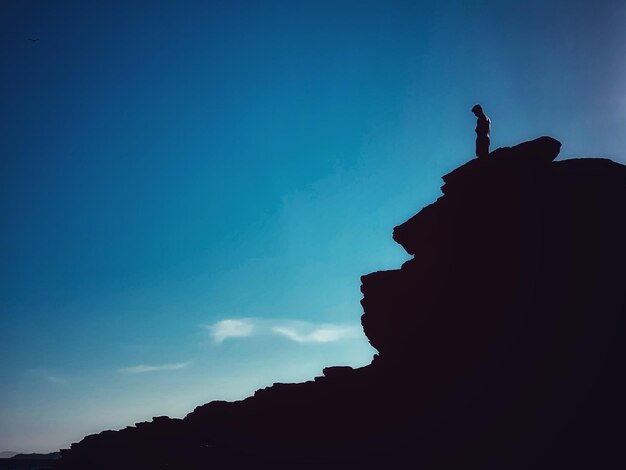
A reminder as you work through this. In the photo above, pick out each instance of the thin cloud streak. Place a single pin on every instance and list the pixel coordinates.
(297, 331)
(55, 379)
(142, 368)
(325, 334)
(45, 375)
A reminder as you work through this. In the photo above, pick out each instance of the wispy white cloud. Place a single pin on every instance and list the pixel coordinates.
(55, 379)
(141, 368)
(297, 331)
(231, 329)
(322, 334)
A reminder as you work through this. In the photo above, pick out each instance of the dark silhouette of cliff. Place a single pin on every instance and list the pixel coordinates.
(501, 343)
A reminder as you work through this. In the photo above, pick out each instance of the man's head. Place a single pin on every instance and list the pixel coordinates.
(477, 110)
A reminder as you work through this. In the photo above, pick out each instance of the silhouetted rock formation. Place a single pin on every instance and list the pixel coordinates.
(501, 343)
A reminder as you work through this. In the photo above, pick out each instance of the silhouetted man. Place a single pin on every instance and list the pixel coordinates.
(483, 128)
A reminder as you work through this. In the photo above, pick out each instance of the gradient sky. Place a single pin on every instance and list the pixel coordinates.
(189, 191)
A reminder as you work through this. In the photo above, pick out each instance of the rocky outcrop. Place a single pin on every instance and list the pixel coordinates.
(501, 343)
(509, 234)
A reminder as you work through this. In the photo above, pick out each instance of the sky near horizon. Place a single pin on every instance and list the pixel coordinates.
(190, 191)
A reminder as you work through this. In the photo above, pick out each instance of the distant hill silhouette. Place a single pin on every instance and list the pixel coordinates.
(37, 456)
(35, 461)
(501, 343)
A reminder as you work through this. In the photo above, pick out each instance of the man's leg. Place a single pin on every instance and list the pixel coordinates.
(482, 148)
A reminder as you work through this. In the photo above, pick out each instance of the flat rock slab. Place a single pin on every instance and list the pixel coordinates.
(534, 152)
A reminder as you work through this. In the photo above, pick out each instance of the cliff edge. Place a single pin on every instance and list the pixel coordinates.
(501, 343)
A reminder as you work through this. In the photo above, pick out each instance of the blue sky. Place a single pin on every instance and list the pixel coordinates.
(189, 191)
